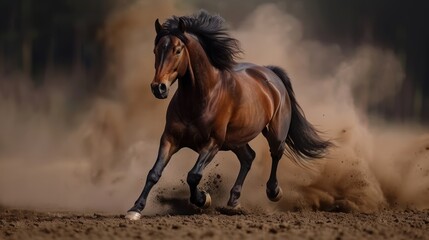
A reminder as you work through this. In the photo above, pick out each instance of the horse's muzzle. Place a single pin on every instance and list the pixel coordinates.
(159, 90)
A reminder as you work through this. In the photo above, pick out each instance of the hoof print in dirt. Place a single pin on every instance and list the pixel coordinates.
(230, 211)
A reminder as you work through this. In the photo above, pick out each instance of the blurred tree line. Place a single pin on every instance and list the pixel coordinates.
(52, 35)
(399, 25)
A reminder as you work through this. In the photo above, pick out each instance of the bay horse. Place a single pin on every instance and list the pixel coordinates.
(221, 105)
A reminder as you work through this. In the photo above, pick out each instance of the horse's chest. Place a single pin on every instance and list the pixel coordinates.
(195, 134)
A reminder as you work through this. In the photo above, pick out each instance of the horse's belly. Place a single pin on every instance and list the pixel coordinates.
(242, 133)
(239, 138)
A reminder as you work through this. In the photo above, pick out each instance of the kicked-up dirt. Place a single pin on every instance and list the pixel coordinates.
(216, 224)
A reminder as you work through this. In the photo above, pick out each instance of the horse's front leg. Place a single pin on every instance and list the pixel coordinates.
(200, 198)
(167, 148)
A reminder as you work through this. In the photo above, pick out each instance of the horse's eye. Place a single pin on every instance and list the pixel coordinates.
(178, 51)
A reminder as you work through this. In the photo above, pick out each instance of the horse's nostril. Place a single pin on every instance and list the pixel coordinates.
(162, 87)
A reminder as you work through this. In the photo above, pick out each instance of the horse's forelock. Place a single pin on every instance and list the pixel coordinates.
(220, 48)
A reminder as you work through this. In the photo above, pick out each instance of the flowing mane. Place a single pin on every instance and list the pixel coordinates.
(221, 49)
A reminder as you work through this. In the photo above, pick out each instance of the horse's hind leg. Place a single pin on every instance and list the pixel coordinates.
(246, 155)
(277, 147)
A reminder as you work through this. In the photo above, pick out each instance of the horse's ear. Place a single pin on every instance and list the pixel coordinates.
(181, 25)
(158, 26)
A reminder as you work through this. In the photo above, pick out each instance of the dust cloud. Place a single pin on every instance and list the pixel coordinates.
(100, 162)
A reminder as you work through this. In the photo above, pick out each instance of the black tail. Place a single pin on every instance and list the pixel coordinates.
(303, 138)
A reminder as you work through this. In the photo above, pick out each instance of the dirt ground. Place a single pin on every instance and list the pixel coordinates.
(216, 224)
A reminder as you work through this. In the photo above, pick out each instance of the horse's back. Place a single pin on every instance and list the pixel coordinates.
(248, 73)
(259, 73)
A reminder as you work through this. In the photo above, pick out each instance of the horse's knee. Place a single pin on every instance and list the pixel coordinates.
(193, 178)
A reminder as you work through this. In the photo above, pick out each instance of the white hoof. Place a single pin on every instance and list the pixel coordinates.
(133, 216)
(208, 202)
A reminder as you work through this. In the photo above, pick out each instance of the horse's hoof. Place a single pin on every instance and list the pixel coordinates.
(131, 215)
(236, 207)
(208, 201)
(278, 196)
(232, 210)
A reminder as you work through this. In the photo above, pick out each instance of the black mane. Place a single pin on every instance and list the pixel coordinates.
(221, 49)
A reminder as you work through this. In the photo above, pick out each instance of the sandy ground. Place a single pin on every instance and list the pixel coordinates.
(216, 224)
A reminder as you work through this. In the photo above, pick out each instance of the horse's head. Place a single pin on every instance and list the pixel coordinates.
(171, 61)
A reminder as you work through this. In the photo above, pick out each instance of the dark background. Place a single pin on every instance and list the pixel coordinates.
(62, 35)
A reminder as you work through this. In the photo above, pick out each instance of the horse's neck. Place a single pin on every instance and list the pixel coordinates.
(201, 77)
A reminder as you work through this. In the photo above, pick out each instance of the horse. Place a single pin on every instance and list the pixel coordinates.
(221, 105)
